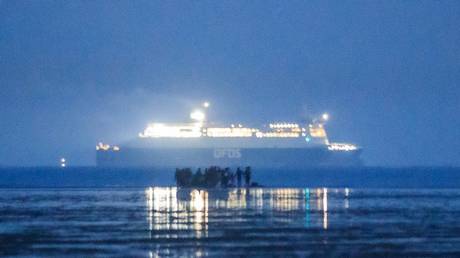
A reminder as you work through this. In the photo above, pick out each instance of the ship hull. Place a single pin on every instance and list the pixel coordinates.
(228, 157)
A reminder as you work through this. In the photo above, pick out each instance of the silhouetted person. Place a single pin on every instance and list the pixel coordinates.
(198, 179)
(231, 179)
(247, 176)
(183, 177)
(239, 173)
(177, 176)
(213, 176)
(224, 179)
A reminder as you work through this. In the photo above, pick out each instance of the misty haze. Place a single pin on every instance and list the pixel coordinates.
(229, 128)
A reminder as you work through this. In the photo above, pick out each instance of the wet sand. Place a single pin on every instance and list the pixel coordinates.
(283, 222)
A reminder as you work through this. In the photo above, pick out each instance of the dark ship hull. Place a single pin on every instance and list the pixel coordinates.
(228, 157)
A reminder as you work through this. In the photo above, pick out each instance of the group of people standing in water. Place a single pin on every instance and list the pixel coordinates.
(214, 177)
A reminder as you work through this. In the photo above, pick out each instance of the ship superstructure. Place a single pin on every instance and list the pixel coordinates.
(199, 144)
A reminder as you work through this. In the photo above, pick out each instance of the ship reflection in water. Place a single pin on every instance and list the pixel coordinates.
(245, 213)
(189, 209)
(157, 222)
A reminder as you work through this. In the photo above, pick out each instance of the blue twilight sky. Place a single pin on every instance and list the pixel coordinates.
(76, 72)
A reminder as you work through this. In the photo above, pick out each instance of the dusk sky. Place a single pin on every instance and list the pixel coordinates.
(73, 73)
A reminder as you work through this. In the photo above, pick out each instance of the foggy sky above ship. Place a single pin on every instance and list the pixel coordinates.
(73, 73)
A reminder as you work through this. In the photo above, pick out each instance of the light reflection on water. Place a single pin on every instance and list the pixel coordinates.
(172, 209)
(155, 222)
(188, 209)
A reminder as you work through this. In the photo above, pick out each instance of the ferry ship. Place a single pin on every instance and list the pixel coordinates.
(199, 143)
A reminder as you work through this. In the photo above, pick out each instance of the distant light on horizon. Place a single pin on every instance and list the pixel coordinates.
(206, 104)
(63, 163)
(325, 116)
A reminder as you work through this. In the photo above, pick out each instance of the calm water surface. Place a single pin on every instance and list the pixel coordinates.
(153, 222)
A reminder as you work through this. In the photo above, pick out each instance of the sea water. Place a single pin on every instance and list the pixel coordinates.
(339, 177)
(281, 222)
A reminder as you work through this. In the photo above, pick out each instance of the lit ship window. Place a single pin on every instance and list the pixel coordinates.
(102, 146)
(230, 132)
(284, 125)
(279, 134)
(317, 132)
(341, 147)
(174, 131)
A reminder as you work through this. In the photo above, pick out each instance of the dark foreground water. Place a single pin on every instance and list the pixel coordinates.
(283, 222)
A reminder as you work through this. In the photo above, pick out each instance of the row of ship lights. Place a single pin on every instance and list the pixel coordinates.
(102, 146)
(199, 116)
(249, 131)
(276, 126)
